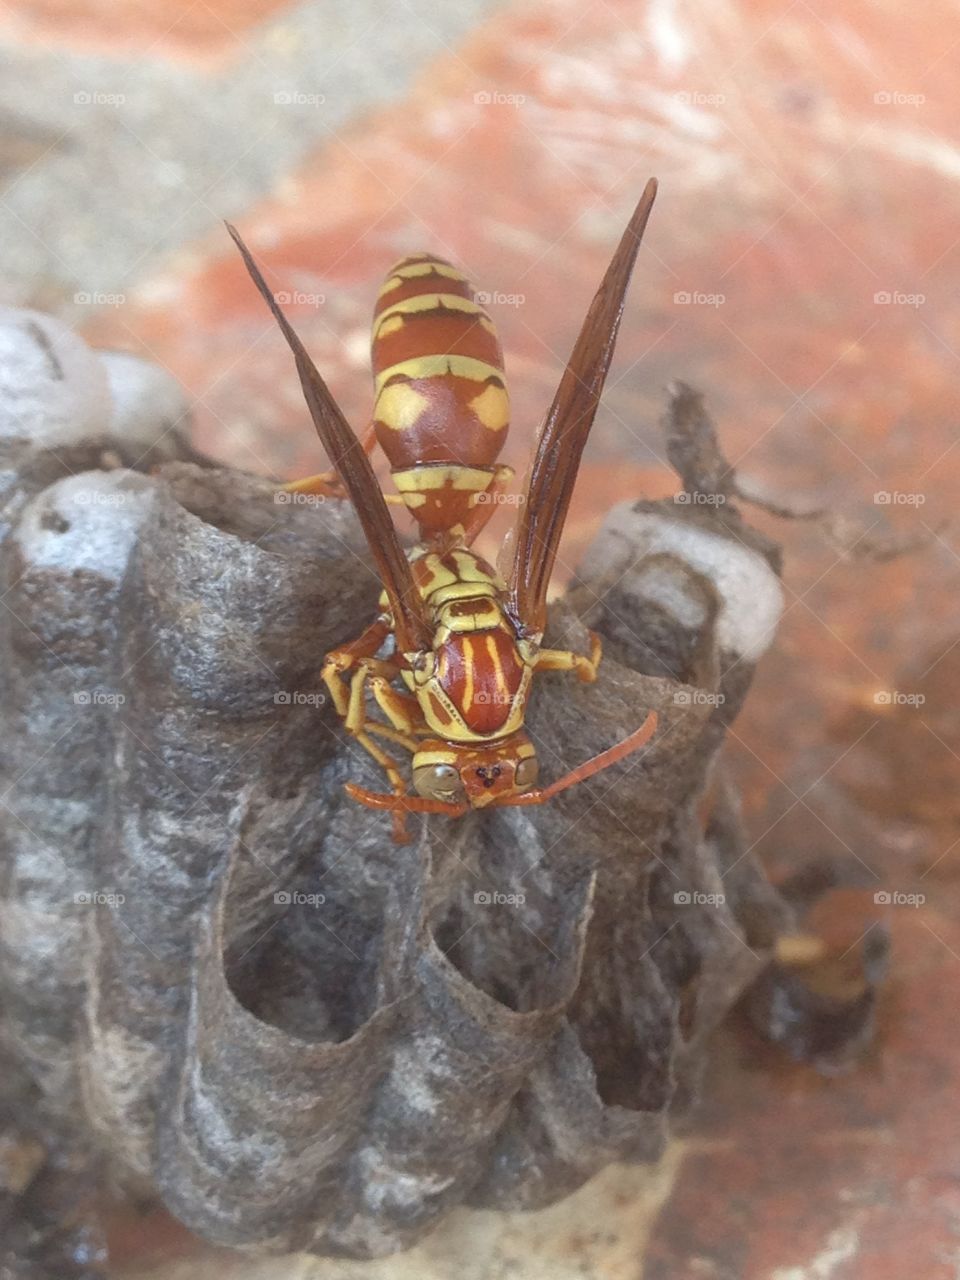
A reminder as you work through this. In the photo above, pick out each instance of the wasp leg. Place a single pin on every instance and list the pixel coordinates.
(401, 709)
(565, 660)
(339, 661)
(394, 777)
(393, 735)
(486, 504)
(355, 722)
(326, 484)
(348, 700)
(351, 708)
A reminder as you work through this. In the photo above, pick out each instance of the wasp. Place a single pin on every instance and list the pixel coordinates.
(450, 658)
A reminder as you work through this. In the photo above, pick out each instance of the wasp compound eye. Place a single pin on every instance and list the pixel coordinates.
(526, 774)
(439, 782)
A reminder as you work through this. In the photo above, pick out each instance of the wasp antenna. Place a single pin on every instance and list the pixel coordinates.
(401, 803)
(590, 767)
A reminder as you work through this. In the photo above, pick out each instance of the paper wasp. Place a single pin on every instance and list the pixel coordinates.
(462, 641)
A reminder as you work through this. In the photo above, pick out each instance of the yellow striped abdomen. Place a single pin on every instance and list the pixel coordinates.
(441, 411)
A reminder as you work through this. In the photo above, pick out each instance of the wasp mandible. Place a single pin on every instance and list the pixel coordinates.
(460, 640)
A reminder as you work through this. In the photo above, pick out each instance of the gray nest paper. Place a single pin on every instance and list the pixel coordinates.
(220, 972)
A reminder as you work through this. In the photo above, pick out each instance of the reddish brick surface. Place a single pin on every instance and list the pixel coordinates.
(192, 32)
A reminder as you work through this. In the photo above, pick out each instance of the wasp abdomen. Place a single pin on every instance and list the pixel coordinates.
(441, 411)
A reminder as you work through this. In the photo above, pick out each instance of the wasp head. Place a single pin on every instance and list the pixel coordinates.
(478, 776)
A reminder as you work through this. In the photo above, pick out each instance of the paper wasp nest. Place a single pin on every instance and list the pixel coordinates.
(219, 971)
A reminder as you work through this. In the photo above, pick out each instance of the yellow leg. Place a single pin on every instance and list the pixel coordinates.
(339, 661)
(348, 701)
(393, 735)
(395, 779)
(350, 707)
(565, 660)
(327, 484)
(356, 717)
(401, 709)
(356, 720)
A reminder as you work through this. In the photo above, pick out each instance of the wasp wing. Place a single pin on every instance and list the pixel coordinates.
(356, 474)
(565, 431)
